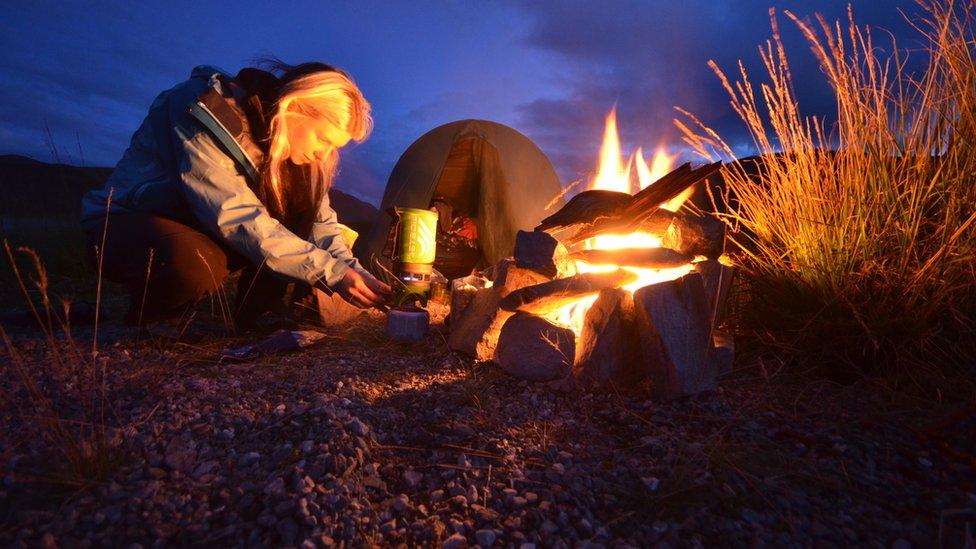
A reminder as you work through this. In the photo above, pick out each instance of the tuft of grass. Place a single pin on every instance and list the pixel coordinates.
(858, 239)
(62, 399)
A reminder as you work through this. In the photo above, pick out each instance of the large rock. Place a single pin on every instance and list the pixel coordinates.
(722, 352)
(475, 331)
(549, 296)
(533, 348)
(510, 277)
(608, 350)
(541, 252)
(463, 291)
(675, 336)
(696, 235)
(718, 280)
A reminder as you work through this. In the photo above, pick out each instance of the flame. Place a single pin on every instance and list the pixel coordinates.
(661, 164)
(612, 175)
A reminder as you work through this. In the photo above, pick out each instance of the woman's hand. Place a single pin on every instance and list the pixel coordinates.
(363, 290)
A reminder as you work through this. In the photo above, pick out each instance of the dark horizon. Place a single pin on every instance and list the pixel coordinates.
(79, 80)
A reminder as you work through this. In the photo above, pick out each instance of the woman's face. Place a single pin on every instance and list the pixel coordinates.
(311, 139)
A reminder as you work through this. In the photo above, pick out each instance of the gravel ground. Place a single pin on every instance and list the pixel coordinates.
(359, 441)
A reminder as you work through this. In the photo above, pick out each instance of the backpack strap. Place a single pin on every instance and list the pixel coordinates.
(203, 111)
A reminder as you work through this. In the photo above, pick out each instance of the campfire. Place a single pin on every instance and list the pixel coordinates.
(623, 285)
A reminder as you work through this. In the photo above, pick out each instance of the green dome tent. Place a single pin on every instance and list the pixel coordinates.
(488, 171)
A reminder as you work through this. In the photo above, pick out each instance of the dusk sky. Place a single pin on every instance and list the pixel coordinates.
(87, 71)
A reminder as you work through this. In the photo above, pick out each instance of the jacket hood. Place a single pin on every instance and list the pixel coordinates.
(261, 89)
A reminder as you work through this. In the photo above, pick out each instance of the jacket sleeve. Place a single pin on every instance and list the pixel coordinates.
(327, 235)
(220, 199)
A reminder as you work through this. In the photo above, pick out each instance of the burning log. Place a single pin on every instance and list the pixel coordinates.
(510, 277)
(645, 203)
(475, 331)
(586, 207)
(644, 258)
(533, 348)
(608, 351)
(549, 296)
(675, 336)
(717, 279)
(658, 222)
(541, 252)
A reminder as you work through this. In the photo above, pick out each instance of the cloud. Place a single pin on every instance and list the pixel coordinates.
(647, 60)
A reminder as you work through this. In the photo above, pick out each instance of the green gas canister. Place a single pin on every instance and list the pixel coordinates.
(414, 255)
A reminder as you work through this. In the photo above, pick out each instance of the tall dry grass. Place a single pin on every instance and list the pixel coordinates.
(61, 396)
(858, 239)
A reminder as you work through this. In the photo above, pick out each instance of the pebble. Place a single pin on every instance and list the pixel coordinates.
(249, 459)
(456, 541)
(287, 531)
(401, 502)
(290, 474)
(413, 478)
(356, 427)
(485, 537)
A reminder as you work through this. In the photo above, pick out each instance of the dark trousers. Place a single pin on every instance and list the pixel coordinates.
(168, 267)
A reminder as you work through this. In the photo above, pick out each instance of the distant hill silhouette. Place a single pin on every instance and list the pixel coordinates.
(31, 188)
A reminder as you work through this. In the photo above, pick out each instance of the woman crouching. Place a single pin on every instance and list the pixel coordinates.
(227, 174)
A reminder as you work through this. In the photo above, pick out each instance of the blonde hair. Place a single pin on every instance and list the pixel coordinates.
(329, 95)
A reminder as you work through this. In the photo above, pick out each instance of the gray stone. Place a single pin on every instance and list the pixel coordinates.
(541, 252)
(533, 348)
(413, 478)
(717, 278)
(675, 336)
(249, 459)
(287, 531)
(696, 235)
(456, 541)
(510, 277)
(401, 502)
(357, 427)
(180, 455)
(475, 332)
(463, 291)
(608, 350)
(485, 537)
(722, 354)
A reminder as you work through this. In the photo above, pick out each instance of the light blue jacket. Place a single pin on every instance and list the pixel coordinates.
(184, 164)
